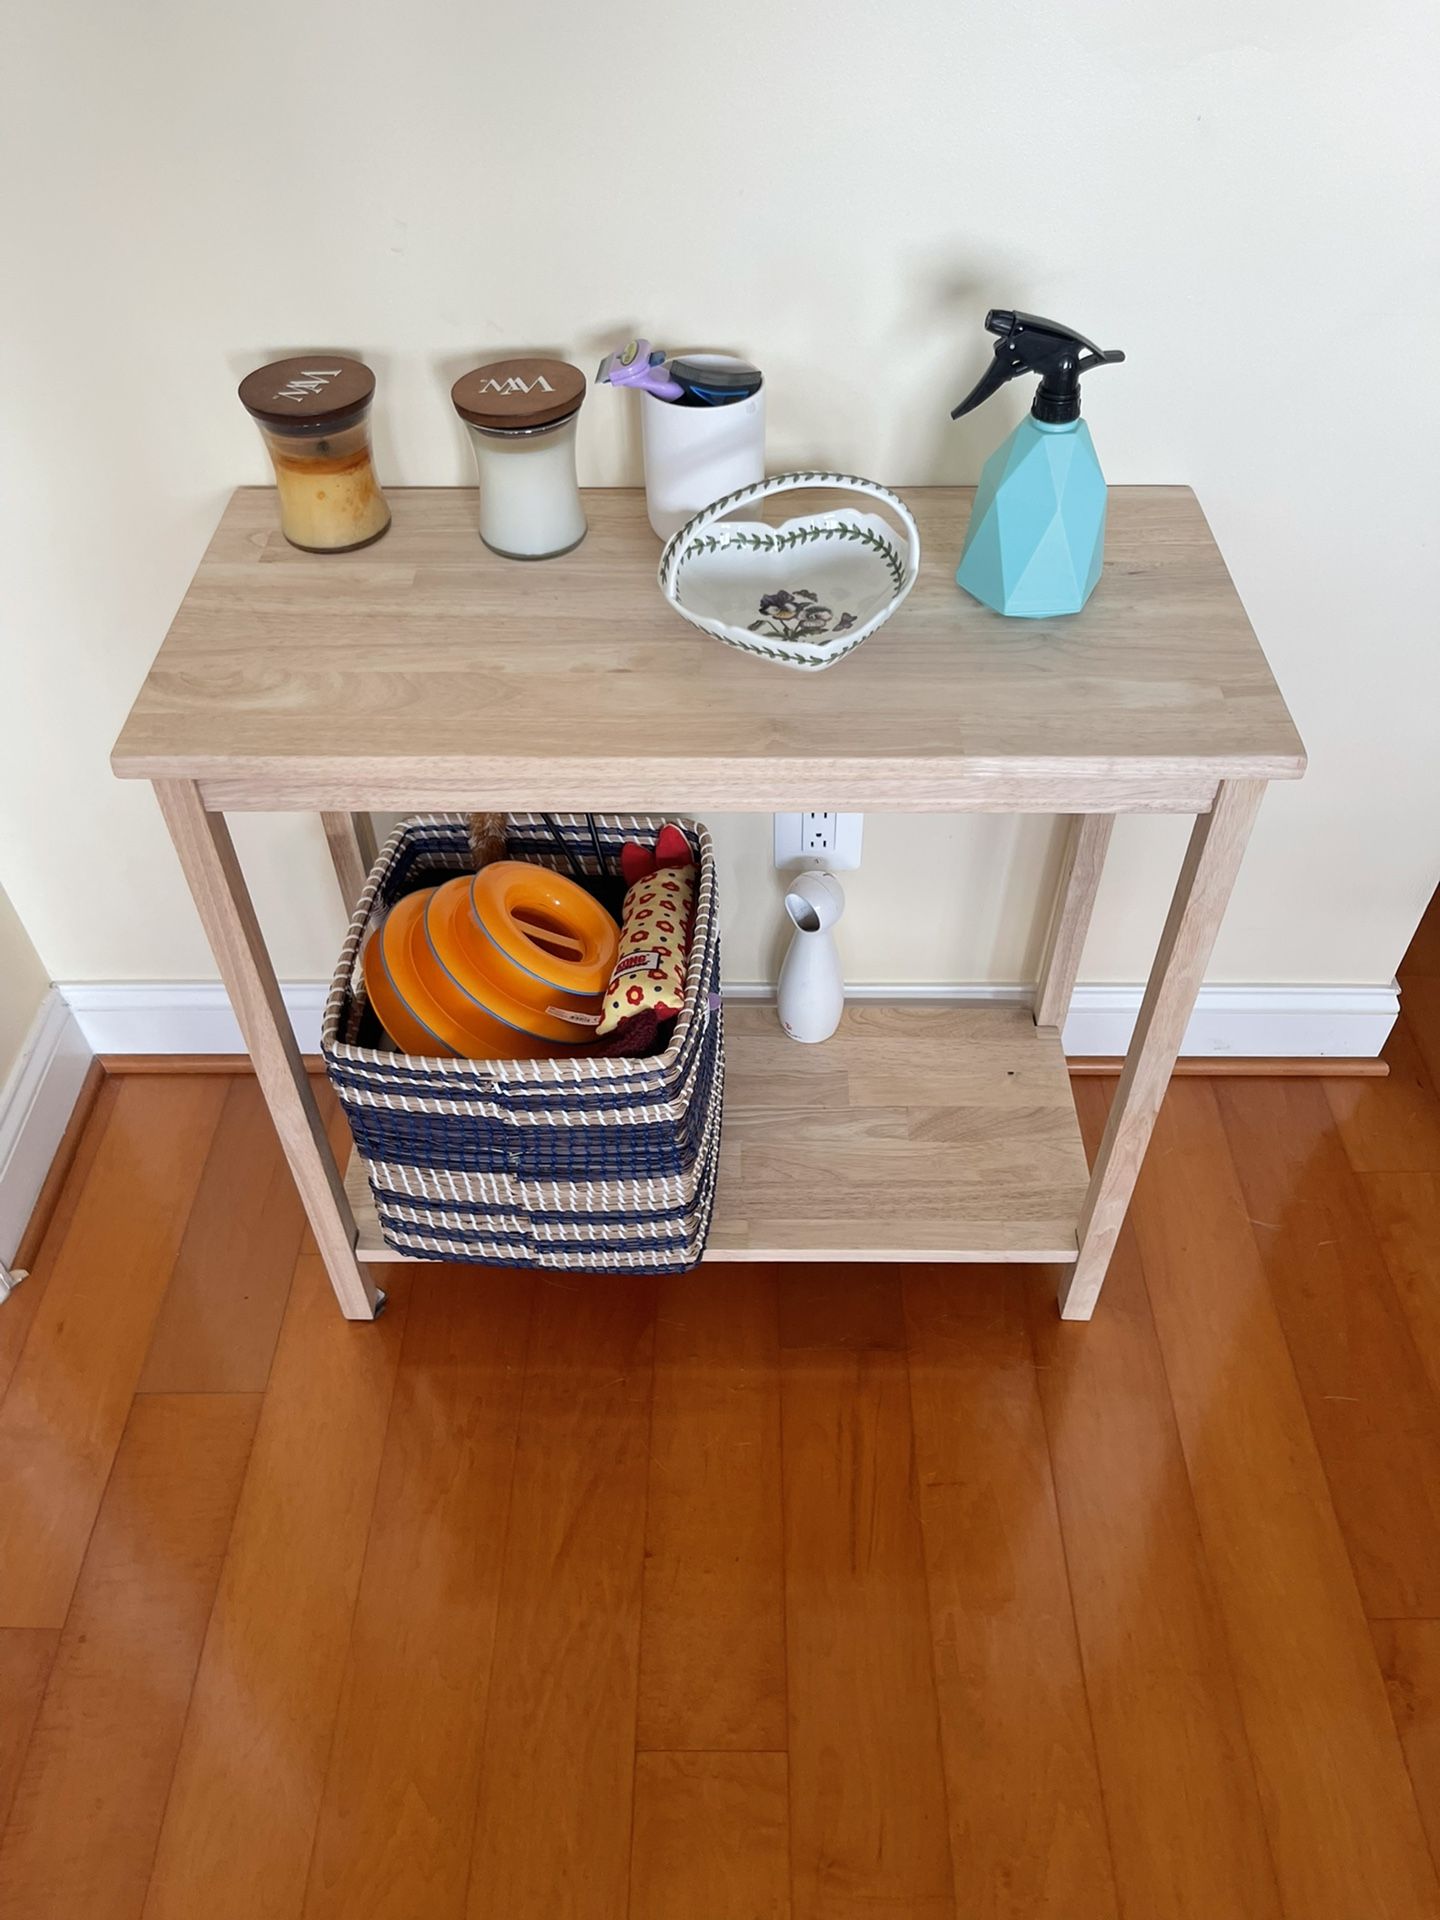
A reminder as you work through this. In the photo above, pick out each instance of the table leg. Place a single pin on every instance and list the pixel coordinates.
(1080, 872)
(1217, 846)
(222, 899)
(351, 839)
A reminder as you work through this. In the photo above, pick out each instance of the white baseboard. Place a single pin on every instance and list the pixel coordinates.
(1247, 1023)
(180, 1016)
(36, 1103)
(1242, 1022)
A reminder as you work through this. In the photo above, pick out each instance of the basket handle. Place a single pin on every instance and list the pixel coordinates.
(789, 483)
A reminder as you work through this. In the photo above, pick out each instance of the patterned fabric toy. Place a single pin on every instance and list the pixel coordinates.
(648, 984)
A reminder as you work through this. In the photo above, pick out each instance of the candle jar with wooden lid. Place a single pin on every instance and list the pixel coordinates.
(522, 415)
(313, 412)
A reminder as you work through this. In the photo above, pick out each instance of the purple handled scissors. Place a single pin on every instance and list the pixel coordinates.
(637, 365)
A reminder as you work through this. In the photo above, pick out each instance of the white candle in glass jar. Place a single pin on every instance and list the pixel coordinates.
(522, 416)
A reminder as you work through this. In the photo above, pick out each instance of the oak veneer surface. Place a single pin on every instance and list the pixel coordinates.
(766, 1593)
(425, 668)
(916, 1133)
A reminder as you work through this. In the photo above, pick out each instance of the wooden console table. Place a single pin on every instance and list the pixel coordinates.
(425, 672)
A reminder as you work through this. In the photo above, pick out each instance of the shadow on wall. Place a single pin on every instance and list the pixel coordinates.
(940, 346)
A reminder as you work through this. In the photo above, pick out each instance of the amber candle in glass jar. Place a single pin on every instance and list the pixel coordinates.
(313, 413)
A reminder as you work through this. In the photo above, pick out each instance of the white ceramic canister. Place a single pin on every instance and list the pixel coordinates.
(521, 416)
(693, 455)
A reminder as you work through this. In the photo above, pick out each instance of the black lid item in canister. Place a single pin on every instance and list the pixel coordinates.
(718, 373)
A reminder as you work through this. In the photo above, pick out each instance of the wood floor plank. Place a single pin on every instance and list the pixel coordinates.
(1404, 1210)
(1027, 1825)
(1420, 1000)
(1339, 1810)
(1186, 1832)
(81, 1833)
(552, 1828)
(26, 1656)
(62, 1418)
(1423, 958)
(1367, 1396)
(240, 1822)
(1390, 1125)
(23, 1305)
(711, 1837)
(712, 1643)
(868, 1817)
(217, 1328)
(395, 1825)
(1409, 1655)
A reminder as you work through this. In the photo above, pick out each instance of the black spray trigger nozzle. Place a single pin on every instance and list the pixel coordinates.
(1028, 343)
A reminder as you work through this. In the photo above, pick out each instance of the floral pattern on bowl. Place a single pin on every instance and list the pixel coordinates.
(803, 594)
(796, 614)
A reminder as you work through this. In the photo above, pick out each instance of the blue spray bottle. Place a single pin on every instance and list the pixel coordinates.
(1037, 529)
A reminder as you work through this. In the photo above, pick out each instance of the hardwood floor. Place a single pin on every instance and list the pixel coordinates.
(756, 1594)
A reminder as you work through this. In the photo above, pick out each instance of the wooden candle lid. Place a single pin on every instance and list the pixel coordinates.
(511, 395)
(307, 390)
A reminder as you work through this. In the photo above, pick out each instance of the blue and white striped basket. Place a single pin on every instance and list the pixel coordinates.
(590, 1164)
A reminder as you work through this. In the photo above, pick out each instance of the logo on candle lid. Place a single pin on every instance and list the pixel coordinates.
(308, 389)
(518, 394)
(309, 380)
(516, 385)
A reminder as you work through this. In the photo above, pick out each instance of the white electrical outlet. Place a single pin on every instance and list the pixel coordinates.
(830, 840)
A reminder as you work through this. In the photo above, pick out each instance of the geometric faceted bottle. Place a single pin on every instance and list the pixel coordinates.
(1036, 541)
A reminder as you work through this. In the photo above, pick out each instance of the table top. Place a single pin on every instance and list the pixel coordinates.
(427, 671)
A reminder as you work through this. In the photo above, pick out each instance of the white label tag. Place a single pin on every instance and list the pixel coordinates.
(575, 1019)
(639, 963)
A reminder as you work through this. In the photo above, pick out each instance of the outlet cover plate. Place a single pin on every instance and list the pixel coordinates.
(828, 840)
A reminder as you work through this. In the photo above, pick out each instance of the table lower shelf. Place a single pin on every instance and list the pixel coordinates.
(919, 1132)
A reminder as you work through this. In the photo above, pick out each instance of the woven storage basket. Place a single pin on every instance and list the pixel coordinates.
(578, 1162)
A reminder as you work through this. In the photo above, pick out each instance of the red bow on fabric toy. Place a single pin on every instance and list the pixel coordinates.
(647, 987)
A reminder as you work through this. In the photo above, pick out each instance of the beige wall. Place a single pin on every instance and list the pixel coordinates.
(1241, 195)
(23, 984)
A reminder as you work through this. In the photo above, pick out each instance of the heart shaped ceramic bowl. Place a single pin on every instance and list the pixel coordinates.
(805, 593)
